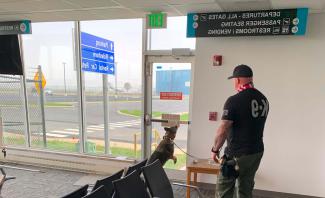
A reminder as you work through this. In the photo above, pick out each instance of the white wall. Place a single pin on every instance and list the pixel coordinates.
(290, 71)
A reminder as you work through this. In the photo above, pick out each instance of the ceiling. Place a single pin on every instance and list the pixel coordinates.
(70, 10)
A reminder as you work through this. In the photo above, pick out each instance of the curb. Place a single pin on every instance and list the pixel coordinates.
(125, 114)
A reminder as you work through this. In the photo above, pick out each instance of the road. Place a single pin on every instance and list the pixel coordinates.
(63, 122)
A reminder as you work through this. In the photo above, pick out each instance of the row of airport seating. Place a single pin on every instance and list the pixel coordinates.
(3, 179)
(138, 181)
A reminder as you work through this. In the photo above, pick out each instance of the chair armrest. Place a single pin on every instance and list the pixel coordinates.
(185, 185)
(9, 178)
(189, 186)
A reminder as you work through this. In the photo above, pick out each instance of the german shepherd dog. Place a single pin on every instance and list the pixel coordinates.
(165, 149)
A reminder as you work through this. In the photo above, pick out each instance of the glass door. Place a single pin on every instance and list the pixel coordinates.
(169, 90)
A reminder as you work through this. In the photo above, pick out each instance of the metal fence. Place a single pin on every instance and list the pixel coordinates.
(13, 110)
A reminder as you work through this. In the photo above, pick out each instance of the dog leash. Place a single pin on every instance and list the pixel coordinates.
(192, 156)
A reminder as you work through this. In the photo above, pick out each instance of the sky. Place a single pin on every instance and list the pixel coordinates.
(51, 46)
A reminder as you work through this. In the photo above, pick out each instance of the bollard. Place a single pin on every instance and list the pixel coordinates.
(135, 144)
(156, 138)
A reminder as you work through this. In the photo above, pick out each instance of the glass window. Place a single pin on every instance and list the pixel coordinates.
(124, 89)
(48, 52)
(174, 36)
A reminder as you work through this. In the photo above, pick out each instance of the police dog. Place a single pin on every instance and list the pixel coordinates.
(165, 149)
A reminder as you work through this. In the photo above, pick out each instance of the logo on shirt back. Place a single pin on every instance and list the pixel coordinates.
(259, 109)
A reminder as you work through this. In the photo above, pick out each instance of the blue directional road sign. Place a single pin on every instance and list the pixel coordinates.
(97, 54)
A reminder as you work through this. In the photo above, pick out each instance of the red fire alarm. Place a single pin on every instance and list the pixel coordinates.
(213, 116)
(217, 60)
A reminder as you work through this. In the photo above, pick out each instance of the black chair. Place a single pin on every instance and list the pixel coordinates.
(130, 186)
(4, 178)
(158, 182)
(108, 182)
(98, 193)
(78, 193)
(137, 167)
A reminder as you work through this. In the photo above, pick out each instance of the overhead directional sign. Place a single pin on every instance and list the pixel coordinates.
(248, 23)
(97, 54)
(15, 27)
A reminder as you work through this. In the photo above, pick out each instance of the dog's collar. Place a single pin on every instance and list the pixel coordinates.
(168, 138)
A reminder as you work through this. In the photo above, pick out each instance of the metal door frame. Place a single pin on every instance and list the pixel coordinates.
(151, 57)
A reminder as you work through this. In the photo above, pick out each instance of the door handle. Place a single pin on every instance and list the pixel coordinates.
(148, 120)
(166, 121)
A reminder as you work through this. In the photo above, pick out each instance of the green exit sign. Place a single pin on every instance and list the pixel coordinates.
(156, 20)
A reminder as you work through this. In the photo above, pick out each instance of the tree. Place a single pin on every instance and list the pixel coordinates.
(127, 87)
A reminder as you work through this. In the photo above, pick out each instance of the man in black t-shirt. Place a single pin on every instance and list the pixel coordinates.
(242, 126)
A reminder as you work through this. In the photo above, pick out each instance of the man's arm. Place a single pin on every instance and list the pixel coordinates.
(220, 138)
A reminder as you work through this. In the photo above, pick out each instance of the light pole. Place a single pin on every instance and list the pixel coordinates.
(65, 83)
(115, 74)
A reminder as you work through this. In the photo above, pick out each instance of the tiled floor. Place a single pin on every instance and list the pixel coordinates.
(51, 183)
(48, 183)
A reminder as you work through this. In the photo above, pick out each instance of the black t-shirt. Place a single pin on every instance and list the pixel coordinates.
(248, 110)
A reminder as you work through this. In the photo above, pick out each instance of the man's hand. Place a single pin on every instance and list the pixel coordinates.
(215, 157)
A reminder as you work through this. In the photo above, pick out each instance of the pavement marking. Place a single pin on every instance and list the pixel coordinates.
(71, 129)
(52, 135)
(96, 127)
(122, 122)
(93, 128)
(116, 124)
(128, 121)
(89, 131)
(56, 135)
(65, 132)
(123, 125)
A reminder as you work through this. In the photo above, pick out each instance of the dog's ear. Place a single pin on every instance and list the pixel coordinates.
(167, 129)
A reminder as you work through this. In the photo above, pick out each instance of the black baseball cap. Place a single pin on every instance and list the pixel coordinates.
(241, 71)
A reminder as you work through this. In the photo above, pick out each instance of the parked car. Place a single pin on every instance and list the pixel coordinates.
(48, 92)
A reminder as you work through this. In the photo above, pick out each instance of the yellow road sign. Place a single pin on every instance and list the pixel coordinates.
(37, 83)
